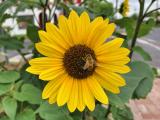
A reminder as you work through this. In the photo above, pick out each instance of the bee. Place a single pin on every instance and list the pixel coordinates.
(89, 62)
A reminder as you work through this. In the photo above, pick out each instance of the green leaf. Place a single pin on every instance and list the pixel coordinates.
(10, 107)
(121, 113)
(101, 8)
(128, 24)
(142, 52)
(126, 91)
(143, 70)
(12, 43)
(27, 114)
(32, 33)
(4, 118)
(99, 112)
(146, 27)
(77, 115)
(138, 83)
(9, 76)
(53, 112)
(4, 88)
(29, 93)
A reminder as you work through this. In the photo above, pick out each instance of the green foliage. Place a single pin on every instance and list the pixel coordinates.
(32, 33)
(11, 42)
(53, 112)
(100, 8)
(145, 71)
(146, 27)
(10, 107)
(77, 115)
(28, 93)
(138, 83)
(4, 88)
(9, 76)
(27, 114)
(99, 112)
(146, 56)
(122, 113)
(128, 24)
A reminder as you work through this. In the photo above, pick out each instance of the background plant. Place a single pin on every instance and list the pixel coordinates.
(20, 92)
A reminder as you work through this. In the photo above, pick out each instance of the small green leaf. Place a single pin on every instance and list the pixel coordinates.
(53, 112)
(4, 88)
(10, 107)
(99, 112)
(143, 70)
(32, 33)
(121, 113)
(27, 114)
(9, 76)
(28, 93)
(128, 24)
(146, 27)
(142, 52)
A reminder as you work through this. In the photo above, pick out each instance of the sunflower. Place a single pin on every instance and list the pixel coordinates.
(125, 8)
(78, 64)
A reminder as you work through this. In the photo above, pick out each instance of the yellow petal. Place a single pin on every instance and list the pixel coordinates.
(106, 34)
(35, 70)
(52, 87)
(49, 38)
(113, 60)
(56, 33)
(115, 68)
(92, 27)
(80, 104)
(84, 27)
(106, 85)
(87, 96)
(51, 74)
(73, 99)
(48, 50)
(97, 90)
(109, 46)
(120, 53)
(65, 91)
(74, 27)
(53, 97)
(46, 62)
(111, 77)
(64, 27)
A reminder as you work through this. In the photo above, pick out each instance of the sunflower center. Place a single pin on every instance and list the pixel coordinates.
(79, 61)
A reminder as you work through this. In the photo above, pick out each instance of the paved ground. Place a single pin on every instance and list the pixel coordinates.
(151, 44)
(149, 108)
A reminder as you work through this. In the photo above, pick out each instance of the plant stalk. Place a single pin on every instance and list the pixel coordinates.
(138, 24)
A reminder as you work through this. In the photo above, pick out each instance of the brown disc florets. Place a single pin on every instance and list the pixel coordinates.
(79, 61)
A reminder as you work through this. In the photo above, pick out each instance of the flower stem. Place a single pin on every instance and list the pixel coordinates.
(84, 115)
(138, 24)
